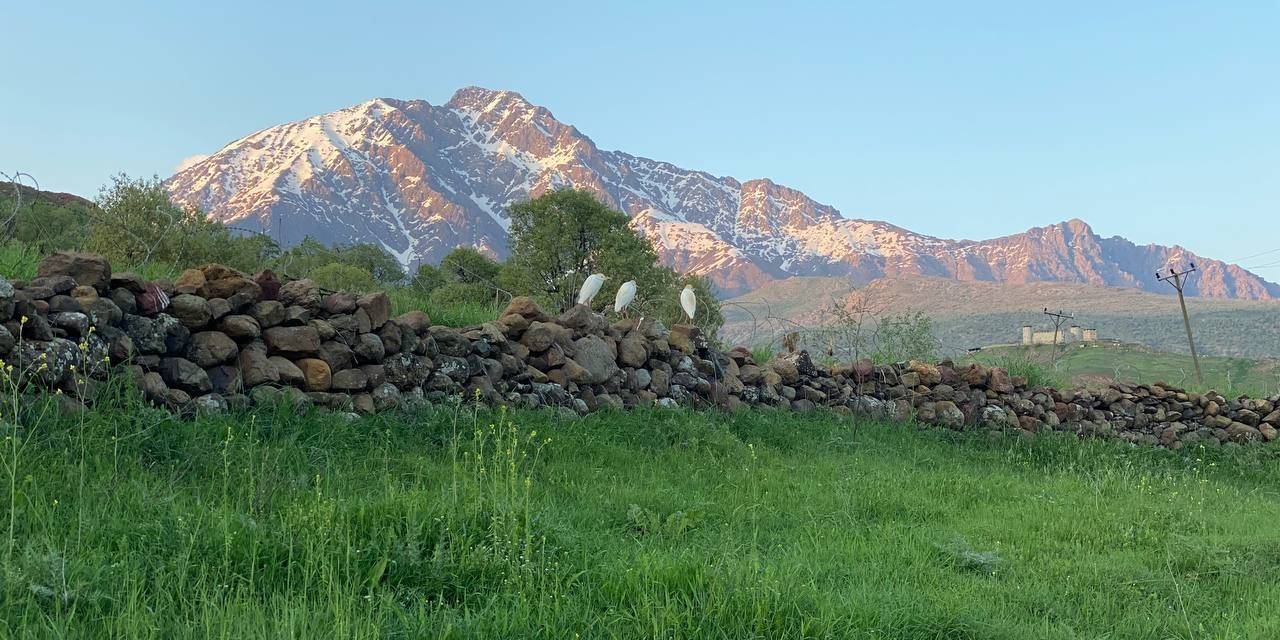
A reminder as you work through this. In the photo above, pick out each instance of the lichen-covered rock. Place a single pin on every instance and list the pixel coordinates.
(349, 380)
(593, 354)
(191, 310)
(240, 327)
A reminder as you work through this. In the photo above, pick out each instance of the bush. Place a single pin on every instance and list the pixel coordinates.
(302, 260)
(461, 294)
(136, 225)
(343, 277)
(41, 222)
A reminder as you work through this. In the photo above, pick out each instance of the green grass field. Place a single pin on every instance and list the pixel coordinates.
(444, 523)
(1098, 364)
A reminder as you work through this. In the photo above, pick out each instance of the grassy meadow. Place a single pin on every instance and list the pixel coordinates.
(1100, 363)
(453, 522)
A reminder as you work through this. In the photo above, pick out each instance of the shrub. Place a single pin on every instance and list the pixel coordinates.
(343, 277)
(303, 259)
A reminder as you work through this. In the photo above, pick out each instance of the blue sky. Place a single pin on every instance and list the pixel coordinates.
(1157, 121)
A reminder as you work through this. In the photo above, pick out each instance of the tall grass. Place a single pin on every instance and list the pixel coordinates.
(460, 522)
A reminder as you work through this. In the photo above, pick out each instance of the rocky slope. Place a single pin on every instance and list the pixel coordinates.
(421, 179)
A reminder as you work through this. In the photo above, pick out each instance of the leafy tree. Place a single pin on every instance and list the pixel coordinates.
(383, 266)
(428, 279)
(561, 237)
(469, 265)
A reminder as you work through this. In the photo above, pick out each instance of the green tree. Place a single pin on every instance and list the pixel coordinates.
(561, 237)
(469, 265)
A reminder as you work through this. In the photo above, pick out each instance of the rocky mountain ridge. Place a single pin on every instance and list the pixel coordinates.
(421, 179)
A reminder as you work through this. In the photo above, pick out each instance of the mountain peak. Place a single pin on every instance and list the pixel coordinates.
(475, 98)
(421, 180)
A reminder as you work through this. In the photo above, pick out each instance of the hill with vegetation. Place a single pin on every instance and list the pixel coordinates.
(975, 314)
(1097, 365)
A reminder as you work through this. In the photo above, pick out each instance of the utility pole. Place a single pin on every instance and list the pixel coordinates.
(1176, 279)
(1059, 318)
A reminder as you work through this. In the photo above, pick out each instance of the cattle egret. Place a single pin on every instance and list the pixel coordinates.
(626, 293)
(689, 301)
(590, 288)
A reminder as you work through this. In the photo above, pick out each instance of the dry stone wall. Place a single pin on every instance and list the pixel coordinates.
(217, 339)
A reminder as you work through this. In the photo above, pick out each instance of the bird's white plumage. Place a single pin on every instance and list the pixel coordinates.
(689, 301)
(590, 288)
(626, 293)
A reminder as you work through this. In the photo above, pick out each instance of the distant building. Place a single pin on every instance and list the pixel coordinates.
(1074, 333)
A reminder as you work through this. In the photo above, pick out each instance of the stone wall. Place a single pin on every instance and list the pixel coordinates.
(216, 339)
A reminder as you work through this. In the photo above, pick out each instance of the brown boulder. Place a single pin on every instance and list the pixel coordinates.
(414, 321)
(255, 366)
(632, 351)
(304, 293)
(315, 373)
(525, 306)
(222, 281)
(190, 282)
(293, 340)
(89, 269)
(338, 303)
(378, 308)
(541, 335)
(686, 338)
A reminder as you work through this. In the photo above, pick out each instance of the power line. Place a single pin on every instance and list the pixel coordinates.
(1256, 255)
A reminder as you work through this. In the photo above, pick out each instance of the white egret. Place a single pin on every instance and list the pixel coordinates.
(626, 293)
(590, 288)
(689, 301)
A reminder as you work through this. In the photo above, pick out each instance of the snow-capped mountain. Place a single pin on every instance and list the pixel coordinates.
(420, 180)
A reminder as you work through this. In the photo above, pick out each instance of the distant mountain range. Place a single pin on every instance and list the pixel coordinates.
(420, 180)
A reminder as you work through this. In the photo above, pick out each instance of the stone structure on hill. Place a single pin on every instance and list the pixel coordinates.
(216, 339)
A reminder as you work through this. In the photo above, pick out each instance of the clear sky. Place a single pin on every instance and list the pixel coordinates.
(1157, 121)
